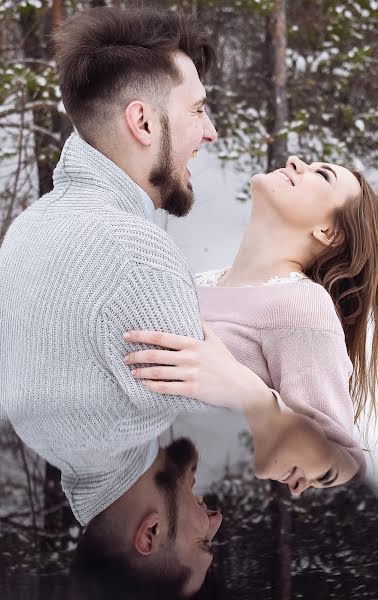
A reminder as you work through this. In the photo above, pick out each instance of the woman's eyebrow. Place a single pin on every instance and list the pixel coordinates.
(329, 169)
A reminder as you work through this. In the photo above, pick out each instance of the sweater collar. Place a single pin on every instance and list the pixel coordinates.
(82, 164)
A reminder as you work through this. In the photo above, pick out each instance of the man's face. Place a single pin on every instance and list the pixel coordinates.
(185, 126)
(196, 526)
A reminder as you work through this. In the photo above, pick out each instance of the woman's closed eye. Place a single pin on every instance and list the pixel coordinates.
(329, 477)
(324, 174)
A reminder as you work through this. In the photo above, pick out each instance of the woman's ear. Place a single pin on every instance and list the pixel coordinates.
(327, 235)
(138, 121)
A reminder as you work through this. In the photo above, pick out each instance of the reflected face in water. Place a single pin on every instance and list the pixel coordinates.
(299, 455)
(196, 528)
(196, 525)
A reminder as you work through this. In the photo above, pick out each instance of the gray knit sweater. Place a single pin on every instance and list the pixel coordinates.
(77, 269)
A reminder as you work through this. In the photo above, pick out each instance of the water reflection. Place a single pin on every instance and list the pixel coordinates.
(319, 545)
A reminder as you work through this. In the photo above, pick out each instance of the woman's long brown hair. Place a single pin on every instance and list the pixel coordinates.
(348, 270)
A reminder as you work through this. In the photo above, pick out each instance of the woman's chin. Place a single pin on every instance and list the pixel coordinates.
(262, 185)
(257, 180)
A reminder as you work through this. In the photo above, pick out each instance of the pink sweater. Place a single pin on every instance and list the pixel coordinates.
(289, 334)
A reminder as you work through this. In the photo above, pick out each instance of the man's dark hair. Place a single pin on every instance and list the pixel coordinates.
(98, 576)
(108, 57)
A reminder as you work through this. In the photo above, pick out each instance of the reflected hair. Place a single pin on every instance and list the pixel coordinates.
(96, 575)
(348, 270)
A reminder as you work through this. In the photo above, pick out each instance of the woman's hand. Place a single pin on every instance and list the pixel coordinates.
(204, 370)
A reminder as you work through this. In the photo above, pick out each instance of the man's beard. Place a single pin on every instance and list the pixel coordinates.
(176, 198)
(180, 455)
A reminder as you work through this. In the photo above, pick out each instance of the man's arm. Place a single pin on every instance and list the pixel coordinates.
(147, 299)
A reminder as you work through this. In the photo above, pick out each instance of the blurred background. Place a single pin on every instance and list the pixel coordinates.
(292, 78)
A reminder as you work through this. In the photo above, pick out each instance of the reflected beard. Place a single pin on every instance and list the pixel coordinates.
(179, 457)
(176, 198)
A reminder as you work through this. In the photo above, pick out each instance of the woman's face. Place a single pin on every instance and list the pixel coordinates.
(299, 455)
(305, 196)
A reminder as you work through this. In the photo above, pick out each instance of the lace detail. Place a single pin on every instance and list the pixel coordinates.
(211, 278)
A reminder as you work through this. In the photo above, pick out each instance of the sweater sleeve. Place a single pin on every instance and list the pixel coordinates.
(311, 370)
(153, 299)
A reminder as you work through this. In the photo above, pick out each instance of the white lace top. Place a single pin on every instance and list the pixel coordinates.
(211, 278)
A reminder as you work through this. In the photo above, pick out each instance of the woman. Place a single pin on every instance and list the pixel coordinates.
(294, 308)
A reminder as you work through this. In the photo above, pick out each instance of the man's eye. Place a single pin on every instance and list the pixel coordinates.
(324, 174)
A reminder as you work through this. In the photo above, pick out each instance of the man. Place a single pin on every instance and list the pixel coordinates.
(85, 262)
(172, 538)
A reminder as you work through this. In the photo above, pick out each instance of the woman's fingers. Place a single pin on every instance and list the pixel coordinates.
(176, 388)
(158, 357)
(207, 330)
(161, 373)
(159, 338)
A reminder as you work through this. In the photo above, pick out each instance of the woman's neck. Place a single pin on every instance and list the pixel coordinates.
(264, 252)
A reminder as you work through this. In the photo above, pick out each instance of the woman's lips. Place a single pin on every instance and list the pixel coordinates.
(287, 475)
(285, 175)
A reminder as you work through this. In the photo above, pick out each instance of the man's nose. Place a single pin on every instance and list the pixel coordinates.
(215, 521)
(209, 131)
(295, 163)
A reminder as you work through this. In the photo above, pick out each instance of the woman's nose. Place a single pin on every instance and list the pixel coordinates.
(299, 486)
(295, 163)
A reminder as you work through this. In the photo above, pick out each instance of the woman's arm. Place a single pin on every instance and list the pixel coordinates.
(205, 370)
(311, 369)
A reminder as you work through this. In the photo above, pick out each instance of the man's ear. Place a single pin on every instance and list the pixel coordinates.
(139, 123)
(327, 235)
(148, 536)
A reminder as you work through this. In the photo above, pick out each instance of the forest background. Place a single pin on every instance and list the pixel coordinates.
(291, 77)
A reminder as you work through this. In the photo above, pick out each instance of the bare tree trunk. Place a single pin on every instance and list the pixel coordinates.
(277, 148)
(36, 29)
(57, 13)
(281, 559)
(58, 515)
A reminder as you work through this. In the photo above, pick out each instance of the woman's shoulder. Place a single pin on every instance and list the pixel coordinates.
(304, 304)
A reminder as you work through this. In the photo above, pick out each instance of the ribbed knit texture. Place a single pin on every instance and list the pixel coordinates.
(290, 335)
(77, 269)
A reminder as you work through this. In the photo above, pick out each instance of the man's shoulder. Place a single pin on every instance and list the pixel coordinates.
(116, 233)
(144, 243)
